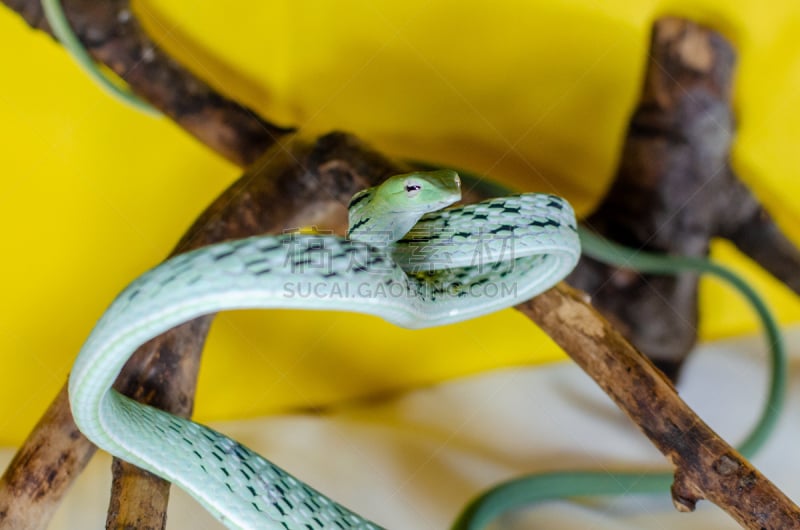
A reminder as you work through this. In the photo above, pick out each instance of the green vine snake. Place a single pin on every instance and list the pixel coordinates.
(406, 260)
(198, 455)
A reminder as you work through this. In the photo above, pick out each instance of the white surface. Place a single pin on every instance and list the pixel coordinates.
(413, 462)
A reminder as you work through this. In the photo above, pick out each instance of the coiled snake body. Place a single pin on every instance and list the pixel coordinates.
(405, 260)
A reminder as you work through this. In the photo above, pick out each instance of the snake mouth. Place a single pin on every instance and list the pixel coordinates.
(429, 207)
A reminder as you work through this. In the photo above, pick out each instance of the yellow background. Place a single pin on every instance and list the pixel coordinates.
(534, 93)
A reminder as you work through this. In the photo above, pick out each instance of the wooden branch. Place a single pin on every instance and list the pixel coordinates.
(43, 469)
(115, 38)
(759, 237)
(674, 191)
(291, 184)
(705, 466)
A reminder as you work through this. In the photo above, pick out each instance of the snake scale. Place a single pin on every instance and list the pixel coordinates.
(406, 260)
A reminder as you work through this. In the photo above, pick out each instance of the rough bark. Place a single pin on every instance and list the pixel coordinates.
(43, 469)
(674, 191)
(705, 465)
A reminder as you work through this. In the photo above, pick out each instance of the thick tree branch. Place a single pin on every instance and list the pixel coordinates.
(115, 38)
(705, 466)
(675, 191)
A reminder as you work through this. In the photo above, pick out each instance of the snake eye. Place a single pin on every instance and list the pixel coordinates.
(412, 189)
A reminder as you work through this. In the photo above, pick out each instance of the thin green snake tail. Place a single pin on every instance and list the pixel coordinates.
(54, 13)
(620, 256)
(530, 489)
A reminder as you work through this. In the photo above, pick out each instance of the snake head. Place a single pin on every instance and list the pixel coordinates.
(421, 191)
(385, 213)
